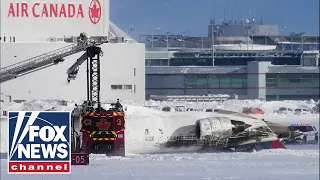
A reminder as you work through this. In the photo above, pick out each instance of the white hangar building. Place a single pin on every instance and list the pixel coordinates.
(34, 31)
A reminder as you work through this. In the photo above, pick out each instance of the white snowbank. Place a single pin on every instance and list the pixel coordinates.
(234, 105)
(263, 165)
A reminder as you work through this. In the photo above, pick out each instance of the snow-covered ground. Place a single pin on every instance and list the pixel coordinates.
(296, 162)
(263, 165)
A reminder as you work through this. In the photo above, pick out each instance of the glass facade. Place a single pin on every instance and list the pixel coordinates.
(306, 46)
(221, 61)
(279, 86)
(121, 86)
(191, 62)
(216, 81)
(157, 62)
(234, 59)
(292, 80)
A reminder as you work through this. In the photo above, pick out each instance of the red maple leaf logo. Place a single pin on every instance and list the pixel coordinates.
(103, 124)
(95, 11)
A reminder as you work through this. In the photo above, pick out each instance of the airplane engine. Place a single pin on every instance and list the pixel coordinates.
(216, 128)
(213, 128)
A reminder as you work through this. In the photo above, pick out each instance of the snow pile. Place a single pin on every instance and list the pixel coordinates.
(235, 105)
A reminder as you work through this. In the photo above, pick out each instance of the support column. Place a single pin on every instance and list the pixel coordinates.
(256, 79)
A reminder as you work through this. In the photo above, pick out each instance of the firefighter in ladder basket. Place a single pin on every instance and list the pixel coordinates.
(82, 39)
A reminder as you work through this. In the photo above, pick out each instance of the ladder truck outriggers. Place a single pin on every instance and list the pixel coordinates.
(95, 129)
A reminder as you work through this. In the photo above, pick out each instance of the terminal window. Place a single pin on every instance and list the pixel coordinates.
(127, 86)
(292, 80)
(216, 81)
(121, 86)
(116, 86)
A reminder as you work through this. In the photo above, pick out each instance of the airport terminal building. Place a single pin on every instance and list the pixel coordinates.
(250, 66)
(257, 80)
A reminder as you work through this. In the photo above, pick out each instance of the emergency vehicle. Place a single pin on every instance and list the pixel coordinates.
(302, 133)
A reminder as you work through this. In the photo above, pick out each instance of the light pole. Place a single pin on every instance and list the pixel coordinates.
(167, 32)
(184, 44)
(219, 35)
(291, 37)
(252, 32)
(248, 27)
(302, 40)
(202, 43)
(212, 39)
(265, 39)
(220, 40)
(152, 36)
(283, 30)
(316, 42)
(248, 39)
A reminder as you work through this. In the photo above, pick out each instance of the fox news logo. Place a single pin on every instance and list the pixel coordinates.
(39, 142)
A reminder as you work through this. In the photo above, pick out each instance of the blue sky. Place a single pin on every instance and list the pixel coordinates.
(178, 16)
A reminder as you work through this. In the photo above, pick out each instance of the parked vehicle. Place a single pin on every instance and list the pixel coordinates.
(302, 133)
(315, 109)
(252, 111)
(301, 111)
(284, 110)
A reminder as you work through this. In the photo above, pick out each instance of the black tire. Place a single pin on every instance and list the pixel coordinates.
(73, 146)
(316, 140)
(304, 140)
(78, 141)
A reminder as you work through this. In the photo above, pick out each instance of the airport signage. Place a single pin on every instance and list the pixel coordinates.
(56, 10)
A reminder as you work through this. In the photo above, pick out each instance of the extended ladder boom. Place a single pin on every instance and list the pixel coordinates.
(73, 70)
(47, 59)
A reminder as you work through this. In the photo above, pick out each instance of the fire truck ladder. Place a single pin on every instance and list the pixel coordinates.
(92, 56)
(47, 59)
(73, 70)
(93, 76)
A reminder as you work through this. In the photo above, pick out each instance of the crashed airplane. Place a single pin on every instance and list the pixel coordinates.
(221, 130)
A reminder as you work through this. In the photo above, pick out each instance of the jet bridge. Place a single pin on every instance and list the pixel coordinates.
(48, 59)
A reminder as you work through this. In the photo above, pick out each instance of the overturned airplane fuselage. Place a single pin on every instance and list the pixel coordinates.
(220, 131)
